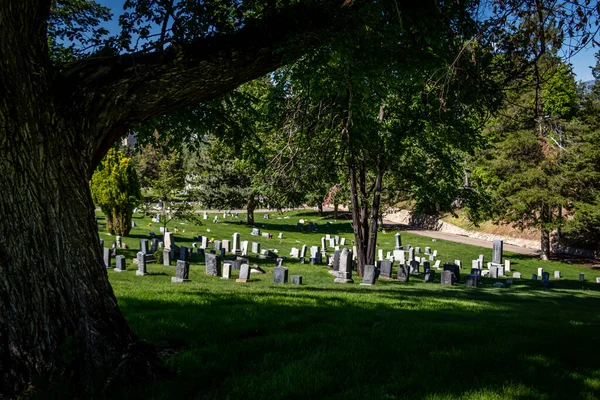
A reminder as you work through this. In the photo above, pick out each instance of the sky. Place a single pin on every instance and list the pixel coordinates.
(581, 62)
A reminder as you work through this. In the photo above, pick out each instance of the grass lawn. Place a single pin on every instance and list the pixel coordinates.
(393, 340)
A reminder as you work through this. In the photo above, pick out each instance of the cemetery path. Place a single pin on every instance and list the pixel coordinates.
(473, 241)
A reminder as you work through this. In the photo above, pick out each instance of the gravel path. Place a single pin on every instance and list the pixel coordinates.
(473, 241)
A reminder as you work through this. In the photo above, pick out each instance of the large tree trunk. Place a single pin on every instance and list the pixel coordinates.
(58, 315)
(59, 319)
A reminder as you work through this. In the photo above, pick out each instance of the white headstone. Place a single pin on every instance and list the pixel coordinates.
(236, 243)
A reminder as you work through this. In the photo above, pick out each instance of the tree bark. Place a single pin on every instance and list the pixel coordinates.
(250, 210)
(545, 217)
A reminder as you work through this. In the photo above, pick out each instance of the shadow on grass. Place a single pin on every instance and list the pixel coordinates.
(308, 342)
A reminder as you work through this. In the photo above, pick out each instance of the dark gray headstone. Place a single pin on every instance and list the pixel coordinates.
(107, 257)
(497, 251)
(429, 276)
(447, 278)
(121, 265)
(184, 254)
(414, 267)
(144, 246)
(344, 275)
(455, 269)
(546, 277)
(426, 266)
(472, 280)
(153, 245)
(296, 279)
(222, 252)
(244, 273)
(336, 260)
(398, 241)
(369, 275)
(280, 275)
(182, 272)
(403, 272)
(385, 268)
(213, 264)
(141, 258)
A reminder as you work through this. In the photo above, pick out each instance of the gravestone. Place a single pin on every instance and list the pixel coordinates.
(217, 245)
(534, 277)
(222, 253)
(119, 241)
(385, 268)
(380, 254)
(141, 258)
(255, 232)
(303, 253)
(454, 269)
(169, 240)
(411, 254)
(399, 256)
(205, 216)
(213, 264)
(403, 273)
(244, 273)
(581, 277)
(327, 237)
(546, 277)
(475, 264)
(398, 241)
(204, 244)
(107, 256)
(315, 255)
(426, 266)
(369, 275)
(324, 244)
(459, 263)
(494, 272)
(182, 272)
(236, 243)
(153, 245)
(244, 248)
(345, 271)
(280, 236)
(227, 267)
(429, 276)
(477, 272)
(517, 275)
(332, 243)
(435, 253)
(280, 275)
(184, 255)
(295, 252)
(336, 260)
(144, 246)
(226, 245)
(556, 274)
(507, 265)
(497, 251)
(447, 278)
(279, 262)
(417, 250)
(255, 248)
(342, 241)
(427, 250)
(437, 264)
(296, 279)
(472, 280)
(166, 258)
(414, 267)
(540, 271)
(120, 263)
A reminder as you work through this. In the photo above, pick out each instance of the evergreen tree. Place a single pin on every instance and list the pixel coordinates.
(116, 190)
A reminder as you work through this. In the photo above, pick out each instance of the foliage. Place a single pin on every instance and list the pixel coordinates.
(116, 190)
